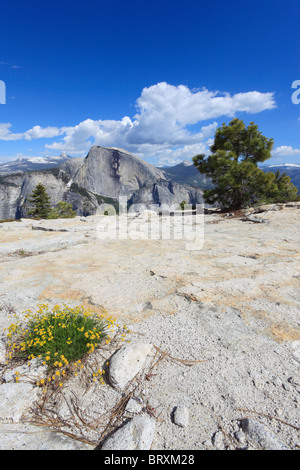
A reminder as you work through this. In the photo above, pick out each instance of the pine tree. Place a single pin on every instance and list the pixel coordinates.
(232, 166)
(41, 201)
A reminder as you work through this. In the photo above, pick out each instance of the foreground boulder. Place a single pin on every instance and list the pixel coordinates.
(138, 434)
(127, 362)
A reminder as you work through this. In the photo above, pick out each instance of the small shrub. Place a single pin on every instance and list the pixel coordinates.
(62, 338)
(63, 210)
(182, 204)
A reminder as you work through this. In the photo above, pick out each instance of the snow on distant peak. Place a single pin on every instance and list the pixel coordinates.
(187, 163)
(37, 159)
(286, 165)
(297, 165)
(33, 163)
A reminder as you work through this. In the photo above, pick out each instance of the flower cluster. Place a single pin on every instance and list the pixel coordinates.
(61, 338)
(67, 333)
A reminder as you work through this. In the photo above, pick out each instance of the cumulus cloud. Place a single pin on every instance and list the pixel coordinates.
(179, 105)
(285, 151)
(161, 124)
(161, 127)
(38, 132)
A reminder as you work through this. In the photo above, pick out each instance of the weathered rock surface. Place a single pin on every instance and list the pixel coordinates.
(14, 190)
(14, 404)
(113, 172)
(166, 192)
(233, 303)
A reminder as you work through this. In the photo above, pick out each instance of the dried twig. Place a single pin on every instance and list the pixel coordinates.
(268, 416)
(184, 362)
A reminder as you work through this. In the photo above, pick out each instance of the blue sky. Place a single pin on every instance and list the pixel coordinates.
(155, 78)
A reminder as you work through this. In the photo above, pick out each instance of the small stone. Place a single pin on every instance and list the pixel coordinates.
(218, 441)
(207, 444)
(258, 382)
(254, 219)
(240, 436)
(134, 406)
(148, 305)
(287, 387)
(181, 416)
(261, 436)
(277, 382)
(138, 434)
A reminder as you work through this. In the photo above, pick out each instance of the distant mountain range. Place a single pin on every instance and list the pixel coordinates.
(187, 173)
(184, 173)
(33, 163)
(291, 169)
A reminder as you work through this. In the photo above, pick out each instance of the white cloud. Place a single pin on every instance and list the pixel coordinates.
(36, 132)
(178, 104)
(168, 156)
(160, 127)
(285, 151)
(6, 134)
